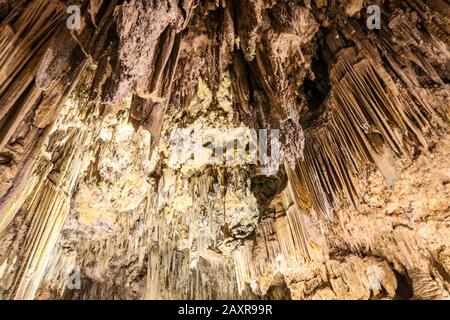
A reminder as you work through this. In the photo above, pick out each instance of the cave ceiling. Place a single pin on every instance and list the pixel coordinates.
(224, 149)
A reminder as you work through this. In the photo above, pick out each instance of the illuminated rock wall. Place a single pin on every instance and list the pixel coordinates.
(345, 197)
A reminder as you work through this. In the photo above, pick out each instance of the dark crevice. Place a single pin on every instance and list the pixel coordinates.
(404, 286)
(315, 88)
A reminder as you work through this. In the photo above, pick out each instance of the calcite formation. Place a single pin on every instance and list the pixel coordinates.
(224, 149)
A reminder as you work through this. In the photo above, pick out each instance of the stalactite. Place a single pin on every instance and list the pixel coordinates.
(27, 104)
(48, 210)
(93, 177)
(363, 114)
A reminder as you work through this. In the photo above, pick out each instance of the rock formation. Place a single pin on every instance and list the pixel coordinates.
(224, 149)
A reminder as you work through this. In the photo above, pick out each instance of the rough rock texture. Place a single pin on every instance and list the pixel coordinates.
(108, 192)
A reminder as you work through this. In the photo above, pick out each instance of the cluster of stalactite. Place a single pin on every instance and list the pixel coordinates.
(371, 116)
(86, 117)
